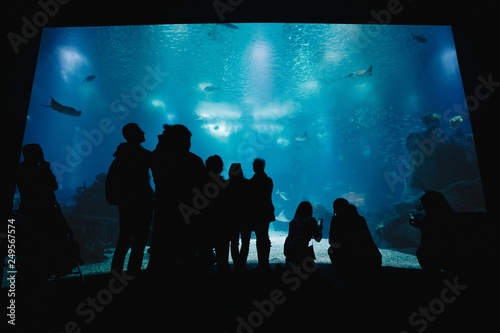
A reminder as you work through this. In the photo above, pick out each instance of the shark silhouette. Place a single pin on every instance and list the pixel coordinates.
(419, 39)
(63, 109)
(362, 73)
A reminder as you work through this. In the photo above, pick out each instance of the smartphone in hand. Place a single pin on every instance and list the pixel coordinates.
(411, 218)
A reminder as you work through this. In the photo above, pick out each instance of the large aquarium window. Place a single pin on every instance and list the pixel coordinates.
(375, 114)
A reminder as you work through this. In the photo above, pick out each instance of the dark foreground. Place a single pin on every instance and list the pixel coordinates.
(303, 299)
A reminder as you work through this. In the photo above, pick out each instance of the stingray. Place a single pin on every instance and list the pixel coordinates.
(301, 138)
(283, 195)
(358, 74)
(281, 217)
(63, 109)
(88, 78)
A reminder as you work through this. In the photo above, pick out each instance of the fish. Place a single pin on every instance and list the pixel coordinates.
(301, 138)
(67, 110)
(281, 217)
(88, 78)
(283, 195)
(419, 39)
(228, 25)
(358, 74)
(211, 88)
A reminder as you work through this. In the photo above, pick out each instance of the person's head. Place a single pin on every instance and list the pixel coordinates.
(434, 203)
(304, 210)
(164, 140)
(235, 171)
(133, 133)
(181, 137)
(258, 165)
(166, 130)
(33, 153)
(340, 206)
(351, 210)
(214, 163)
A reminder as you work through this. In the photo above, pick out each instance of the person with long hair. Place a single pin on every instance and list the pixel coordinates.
(301, 230)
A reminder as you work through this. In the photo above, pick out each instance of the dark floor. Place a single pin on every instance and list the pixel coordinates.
(307, 299)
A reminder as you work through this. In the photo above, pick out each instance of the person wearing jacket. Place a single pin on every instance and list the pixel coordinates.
(134, 195)
(261, 190)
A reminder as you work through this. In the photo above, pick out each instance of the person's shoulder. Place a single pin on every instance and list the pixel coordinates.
(192, 156)
(311, 220)
(145, 150)
(145, 153)
(195, 161)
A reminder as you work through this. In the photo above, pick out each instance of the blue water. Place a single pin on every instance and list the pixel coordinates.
(273, 97)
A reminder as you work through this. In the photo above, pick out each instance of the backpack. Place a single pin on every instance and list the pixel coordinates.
(113, 182)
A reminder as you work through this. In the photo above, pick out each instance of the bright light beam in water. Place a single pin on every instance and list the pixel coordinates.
(71, 61)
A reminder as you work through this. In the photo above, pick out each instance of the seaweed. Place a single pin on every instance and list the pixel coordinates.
(431, 119)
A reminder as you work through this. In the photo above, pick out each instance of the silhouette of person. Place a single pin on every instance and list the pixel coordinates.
(179, 177)
(238, 190)
(263, 211)
(135, 198)
(216, 232)
(447, 240)
(160, 160)
(301, 230)
(44, 240)
(352, 249)
(35, 181)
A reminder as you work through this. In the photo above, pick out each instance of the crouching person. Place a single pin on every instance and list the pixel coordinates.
(301, 230)
(352, 250)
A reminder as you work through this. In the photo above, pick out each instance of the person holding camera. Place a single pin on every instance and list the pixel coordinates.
(301, 230)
